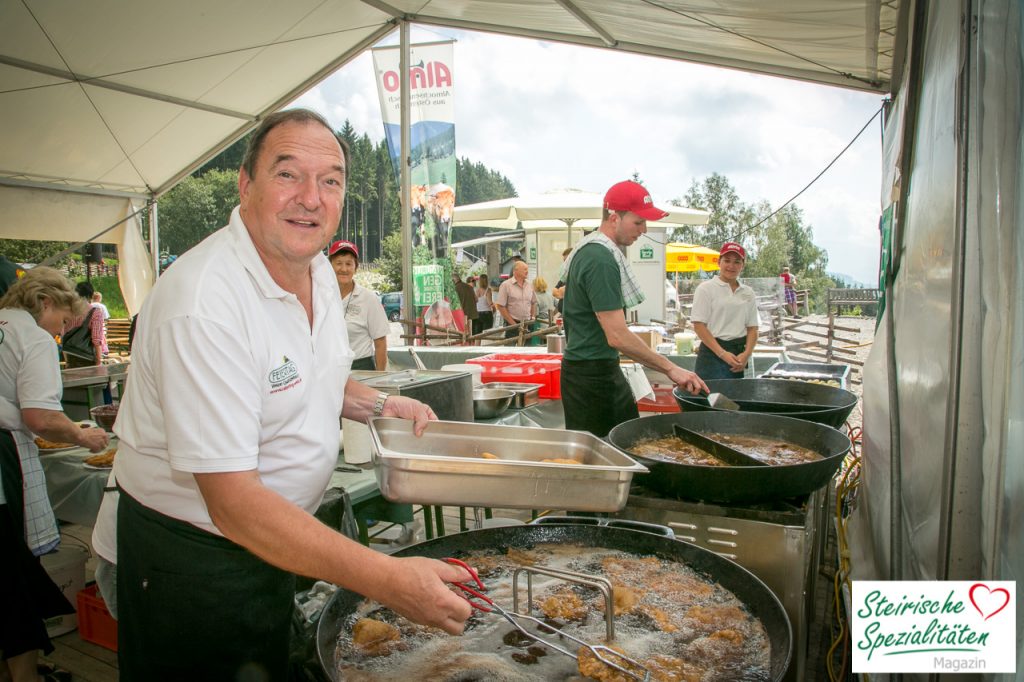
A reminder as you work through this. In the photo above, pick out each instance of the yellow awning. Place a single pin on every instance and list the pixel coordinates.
(690, 258)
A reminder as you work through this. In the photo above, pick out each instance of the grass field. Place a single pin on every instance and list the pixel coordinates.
(112, 297)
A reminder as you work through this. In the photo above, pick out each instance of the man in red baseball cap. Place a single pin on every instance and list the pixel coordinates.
(600, 285)
(724, 315)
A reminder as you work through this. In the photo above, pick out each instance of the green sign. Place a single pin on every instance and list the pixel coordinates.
(646, 253)
(533, 253)
(427, 284)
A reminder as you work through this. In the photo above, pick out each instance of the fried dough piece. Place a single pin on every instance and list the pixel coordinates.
(104, 459)
(717, 617)
(560, 460)
(661, 619)
(373, 637)
(729, 635)
(489, 455)
(564, 605)
(671, 669)
(522, 557)
(624, 599)
(44, 444)
(592, 667)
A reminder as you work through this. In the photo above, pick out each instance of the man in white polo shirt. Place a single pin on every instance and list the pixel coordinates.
(229, 434)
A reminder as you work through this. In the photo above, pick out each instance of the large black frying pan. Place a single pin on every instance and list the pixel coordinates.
(798, 399)
(734, 483)
(616, 535)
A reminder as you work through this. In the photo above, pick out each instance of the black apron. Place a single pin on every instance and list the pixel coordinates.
(709, 366)
(28, 596)
(596, 396)
(367, 363)
(195, 606)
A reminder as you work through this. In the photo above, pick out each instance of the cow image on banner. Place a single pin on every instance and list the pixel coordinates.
(432, 135)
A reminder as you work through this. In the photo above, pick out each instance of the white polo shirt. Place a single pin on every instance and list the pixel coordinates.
(726, 313)
(29, 371)
(227, 376)
(365, 319)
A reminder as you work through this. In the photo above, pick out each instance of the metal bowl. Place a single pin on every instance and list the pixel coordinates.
(105, 415)
(491, 402)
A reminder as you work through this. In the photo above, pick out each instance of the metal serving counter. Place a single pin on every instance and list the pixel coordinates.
(83, 387)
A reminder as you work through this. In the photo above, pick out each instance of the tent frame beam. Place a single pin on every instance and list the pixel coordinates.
(837, 79)
(120, 87)
(61, 187)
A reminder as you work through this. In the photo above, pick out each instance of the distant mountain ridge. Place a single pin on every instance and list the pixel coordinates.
(849, 281)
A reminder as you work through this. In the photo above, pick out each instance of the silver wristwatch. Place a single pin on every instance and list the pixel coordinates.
(378, 404)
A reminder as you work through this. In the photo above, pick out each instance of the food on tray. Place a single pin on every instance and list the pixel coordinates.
(678, 623)
(374, 637)
(104, 459)
(44, 444)
(561, 460)
(768, 450)
(489, 455)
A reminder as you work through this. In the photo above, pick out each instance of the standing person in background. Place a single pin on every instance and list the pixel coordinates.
(484, 306)
(85, 340)
(789, 288)
(32, 313)
(364, 315)
(559, 291)
(724, 315)
(600, 286)
(97, 301)
(545, 301)
(516, 299)
(229, 434)
(467, 300)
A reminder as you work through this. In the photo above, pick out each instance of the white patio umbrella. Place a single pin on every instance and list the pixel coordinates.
(563, 208)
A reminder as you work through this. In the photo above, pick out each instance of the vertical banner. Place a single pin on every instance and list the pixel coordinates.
(432, 120)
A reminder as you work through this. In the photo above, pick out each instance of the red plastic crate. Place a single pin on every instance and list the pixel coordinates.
(545, 370)
(662, 401)
(95, 624)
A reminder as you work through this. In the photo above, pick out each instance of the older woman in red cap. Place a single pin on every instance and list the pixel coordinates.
(364, 315)
(724, 315)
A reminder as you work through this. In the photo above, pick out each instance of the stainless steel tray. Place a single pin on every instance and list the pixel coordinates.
(526, 394)
(445, 466)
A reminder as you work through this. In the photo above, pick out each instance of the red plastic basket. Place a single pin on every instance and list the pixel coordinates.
(543, 369)
(662, 401)
(95, 624)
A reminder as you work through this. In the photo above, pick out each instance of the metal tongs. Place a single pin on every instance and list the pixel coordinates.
(600, 651)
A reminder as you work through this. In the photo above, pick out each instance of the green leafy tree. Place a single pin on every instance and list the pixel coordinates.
(30, 250)
(730, 216)
(195, 208)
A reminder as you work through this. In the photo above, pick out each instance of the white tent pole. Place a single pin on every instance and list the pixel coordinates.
(154, 237)
(406, 153)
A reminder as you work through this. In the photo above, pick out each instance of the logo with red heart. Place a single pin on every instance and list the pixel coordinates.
(988, 602)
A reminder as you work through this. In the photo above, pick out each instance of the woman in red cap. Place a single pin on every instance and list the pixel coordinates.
(724, 315)
(364, 315)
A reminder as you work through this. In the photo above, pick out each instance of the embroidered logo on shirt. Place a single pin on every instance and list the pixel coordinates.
(284, 376)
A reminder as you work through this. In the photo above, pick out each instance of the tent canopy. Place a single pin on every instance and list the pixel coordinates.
(563, 208)
(115, 100)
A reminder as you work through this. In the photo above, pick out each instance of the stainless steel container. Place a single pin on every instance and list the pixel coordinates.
(449, 394)
(445, 466)
(525, 394)
(556, 343)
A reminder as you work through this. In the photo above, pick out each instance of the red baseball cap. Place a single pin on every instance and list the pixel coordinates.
(342, 245)
(633, 197)
(732, 247)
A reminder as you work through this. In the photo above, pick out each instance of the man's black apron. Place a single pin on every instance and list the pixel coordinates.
(195, 606)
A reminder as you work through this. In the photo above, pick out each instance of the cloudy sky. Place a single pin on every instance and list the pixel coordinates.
(554, 116)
